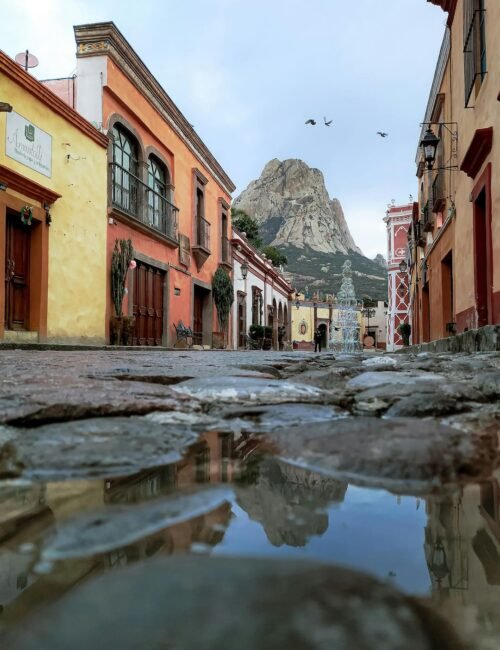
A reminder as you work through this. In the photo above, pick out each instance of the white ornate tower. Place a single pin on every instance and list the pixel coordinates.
(398, 219)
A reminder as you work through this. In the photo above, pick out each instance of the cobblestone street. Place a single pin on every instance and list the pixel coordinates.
(382, 467)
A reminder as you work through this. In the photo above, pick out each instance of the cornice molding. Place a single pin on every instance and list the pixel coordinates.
(479, 148)
(106, 39)
(26, 186)
(14, 71)
(448, 6)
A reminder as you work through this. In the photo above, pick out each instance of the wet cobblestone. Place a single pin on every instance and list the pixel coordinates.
(108, 459)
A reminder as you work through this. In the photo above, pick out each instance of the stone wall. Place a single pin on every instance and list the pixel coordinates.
(484, 339)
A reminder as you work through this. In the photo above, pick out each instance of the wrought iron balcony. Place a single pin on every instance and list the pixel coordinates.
(202, 234)
(427, 217)
(225, 251)
(438, 193)
(131, 195)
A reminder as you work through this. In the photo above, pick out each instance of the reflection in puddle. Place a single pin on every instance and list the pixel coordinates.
(446, 546)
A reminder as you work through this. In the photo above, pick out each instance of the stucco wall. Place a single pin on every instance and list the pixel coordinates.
(485, 113)
(77, 236)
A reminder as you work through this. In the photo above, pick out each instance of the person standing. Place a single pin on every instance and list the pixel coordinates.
(317, 340)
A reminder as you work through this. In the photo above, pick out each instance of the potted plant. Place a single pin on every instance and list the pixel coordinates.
(121, 327)
(405, 330)
(223, 293)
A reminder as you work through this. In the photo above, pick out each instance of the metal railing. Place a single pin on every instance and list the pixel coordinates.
(474, 45)
(438, 192)
(202, 233)
(225, 251)
(136, 198)
(427, 216)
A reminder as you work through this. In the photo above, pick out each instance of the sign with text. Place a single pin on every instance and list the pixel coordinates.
(28, 144)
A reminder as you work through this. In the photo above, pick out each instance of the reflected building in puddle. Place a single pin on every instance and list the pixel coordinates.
(462, 549)
(29, 514)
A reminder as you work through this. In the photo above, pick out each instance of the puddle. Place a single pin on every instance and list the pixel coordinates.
(228, 498)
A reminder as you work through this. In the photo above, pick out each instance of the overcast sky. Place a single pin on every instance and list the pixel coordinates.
(248, 73)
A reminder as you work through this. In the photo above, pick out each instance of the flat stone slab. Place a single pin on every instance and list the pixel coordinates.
(400, 452)
(218, 603)
(98, 447)
(246, 389)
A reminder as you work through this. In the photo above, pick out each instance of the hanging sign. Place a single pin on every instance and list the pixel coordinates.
(28, 144)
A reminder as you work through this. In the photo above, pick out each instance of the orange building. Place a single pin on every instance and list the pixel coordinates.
(455, 237)
(166, 191)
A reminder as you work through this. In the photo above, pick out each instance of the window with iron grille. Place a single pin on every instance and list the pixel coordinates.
(124, 170)
(157, 183)
(475, 63)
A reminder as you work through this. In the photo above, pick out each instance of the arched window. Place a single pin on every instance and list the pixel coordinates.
(124, 170)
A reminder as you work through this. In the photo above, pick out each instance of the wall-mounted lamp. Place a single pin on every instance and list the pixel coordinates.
(5, 108)
(3, 187)
(403, 266)
(297, 304)
(244, 270)
(429, 144)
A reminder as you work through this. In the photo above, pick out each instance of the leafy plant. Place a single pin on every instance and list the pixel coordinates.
(223, 292)
(244, 223)
(275, 256)
(123, 254)
(256, 332)
(405, 330)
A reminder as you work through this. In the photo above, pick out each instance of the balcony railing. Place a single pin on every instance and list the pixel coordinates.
(202, 233)
(141, 202)
(225, 252)
(427, 217)
(438, 193)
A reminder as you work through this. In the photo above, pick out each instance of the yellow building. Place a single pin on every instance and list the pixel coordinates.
(53, 197)
(308, 315)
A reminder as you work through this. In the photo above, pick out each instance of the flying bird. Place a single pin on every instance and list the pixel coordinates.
(312, 122)
(382, 134)
(327, 123)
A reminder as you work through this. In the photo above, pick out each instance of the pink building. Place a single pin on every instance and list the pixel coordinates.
(398, 219)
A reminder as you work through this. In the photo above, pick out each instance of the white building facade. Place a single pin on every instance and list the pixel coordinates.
(398, 219)
(261, 298)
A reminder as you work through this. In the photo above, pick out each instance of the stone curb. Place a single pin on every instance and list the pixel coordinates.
(484, 339)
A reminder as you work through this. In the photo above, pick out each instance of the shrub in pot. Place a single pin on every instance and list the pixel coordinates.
(405, 330)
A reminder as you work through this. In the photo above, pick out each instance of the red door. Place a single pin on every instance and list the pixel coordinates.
(17, 258)
(148, 305)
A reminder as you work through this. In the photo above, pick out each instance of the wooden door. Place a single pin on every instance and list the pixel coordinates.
(148, 305)
(17, 262)
(198, 317)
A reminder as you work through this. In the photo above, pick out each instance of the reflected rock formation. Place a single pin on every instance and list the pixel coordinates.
(290, 502)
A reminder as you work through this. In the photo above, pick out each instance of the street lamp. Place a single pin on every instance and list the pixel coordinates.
(244, 270)
(403, 266)
(429, 144)
(439, 565)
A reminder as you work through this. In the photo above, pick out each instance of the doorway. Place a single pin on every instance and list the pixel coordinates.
(201, 316)
(447, 294)
(482, 259)
(17, 269)
(426, 315)
(242, 320)
(324, 335)
(148, 304)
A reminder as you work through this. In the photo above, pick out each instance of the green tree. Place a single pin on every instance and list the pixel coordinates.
(222, 289)
(275, 256)
(244, 223)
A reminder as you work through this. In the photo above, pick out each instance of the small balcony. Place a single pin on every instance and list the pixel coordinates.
(427, 217)
(438, 193)
(419, 234)
(133, 197)
(225, 252)
(201, 246)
